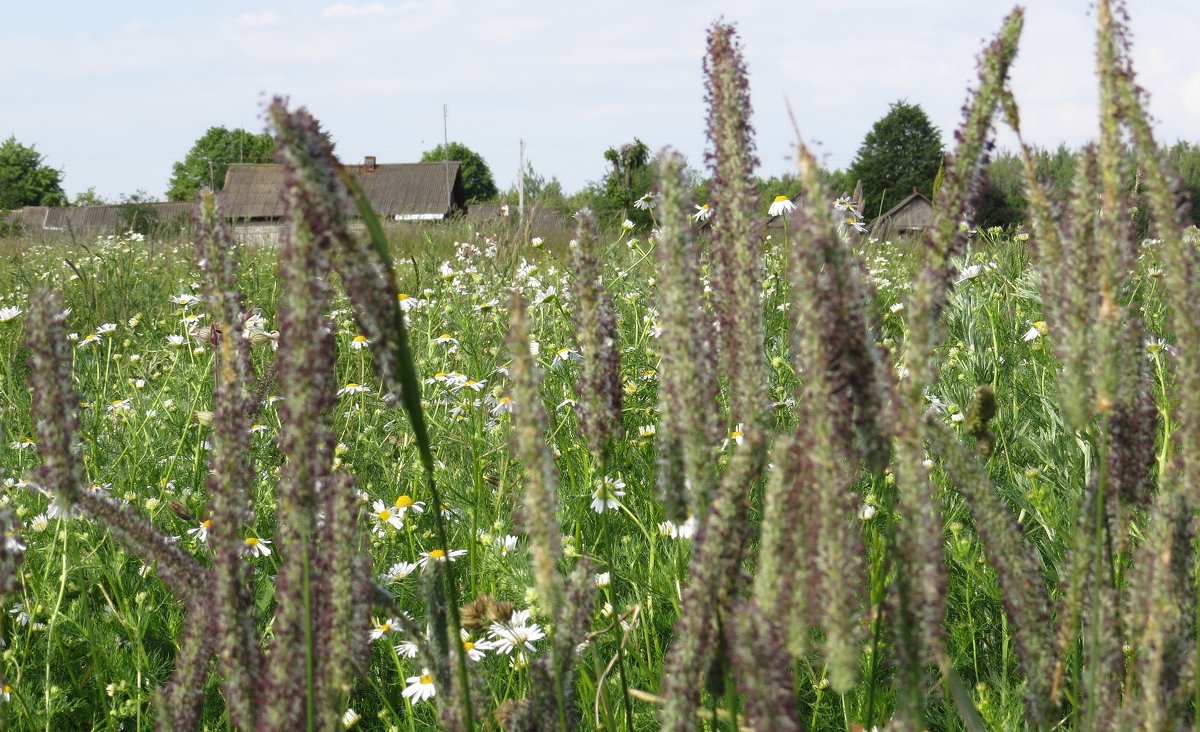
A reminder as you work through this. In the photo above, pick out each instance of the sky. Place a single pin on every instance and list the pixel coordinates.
(113, 94)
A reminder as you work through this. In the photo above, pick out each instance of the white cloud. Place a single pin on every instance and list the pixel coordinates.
(257, 20)
(346, 10)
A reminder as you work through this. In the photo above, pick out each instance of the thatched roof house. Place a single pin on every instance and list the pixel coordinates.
(914, 213)
(397, 191)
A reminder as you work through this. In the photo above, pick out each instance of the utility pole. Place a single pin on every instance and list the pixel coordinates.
(446, 149)
(521, 187)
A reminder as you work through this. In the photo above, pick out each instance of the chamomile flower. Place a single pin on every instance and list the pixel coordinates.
(176, 341)
(475, 648)
(406, 302)
(439, 555)
(8, 313)
(256, 547)
(736, 436)
(503, 405)
(360, 342)
(507, 544)
(350, 718)
(646, 202)
(670, 530)
(385, 516)
(381, 629)
(420, 687)
(353, 388)
(780, 206)
(89, 339)
(404, 504)
(446, 338)
(607, 494)
(399, 571)
(703, 213)
(200, 532)
(565, 355)
(518, 634)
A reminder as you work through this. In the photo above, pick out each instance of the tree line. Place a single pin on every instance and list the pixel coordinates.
(901, 153)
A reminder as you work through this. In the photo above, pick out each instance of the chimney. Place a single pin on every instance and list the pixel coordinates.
(369, 163)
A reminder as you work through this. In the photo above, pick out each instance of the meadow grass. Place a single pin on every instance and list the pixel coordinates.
(727, 476)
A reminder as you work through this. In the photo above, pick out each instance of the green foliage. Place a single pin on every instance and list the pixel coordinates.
(630, 176)
(205, 164)
(902, 151)
(88, 198)
(1003, 199)
(478, 183)
(1185, 158)
(25, 179)
(545, 194)
(136, 213)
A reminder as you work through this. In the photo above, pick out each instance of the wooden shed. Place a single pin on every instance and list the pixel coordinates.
(914, 213)
(397, 191)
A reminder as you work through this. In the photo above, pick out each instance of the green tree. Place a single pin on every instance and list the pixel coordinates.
(88, 198)
(902, 151)
(26, 180)
(630, 176)
(546, 194)
(205, 164)
(478, 184)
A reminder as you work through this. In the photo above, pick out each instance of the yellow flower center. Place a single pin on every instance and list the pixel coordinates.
(384, 515)
(426, 679)
(401, 296)
(505, 399)
(206, 523)
(437, 554)
(445, 335)
(251, 541)
(351, 385)
(468, 646)
(780, 199)
(360, 339)
(404, 502)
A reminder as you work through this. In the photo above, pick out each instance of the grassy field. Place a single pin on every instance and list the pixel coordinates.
(726, 476)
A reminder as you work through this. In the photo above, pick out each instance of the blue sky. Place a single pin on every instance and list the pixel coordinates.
(114, 93)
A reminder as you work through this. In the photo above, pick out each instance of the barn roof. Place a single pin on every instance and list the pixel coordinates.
(915, 200)
(395, 190)
(916, 196)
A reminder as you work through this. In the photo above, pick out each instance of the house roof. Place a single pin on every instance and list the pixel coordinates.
(395, 190)
(95, 218)
(908, 200)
